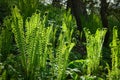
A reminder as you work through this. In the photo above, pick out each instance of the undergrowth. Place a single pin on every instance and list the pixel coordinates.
(39, 57)
(42, 46)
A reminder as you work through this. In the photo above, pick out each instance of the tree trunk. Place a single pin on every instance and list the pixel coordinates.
(103, 13)
(78, 9)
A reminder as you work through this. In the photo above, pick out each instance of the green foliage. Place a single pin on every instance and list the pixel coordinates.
(92, 22)
(35, 46)
(80, 64)
(89, 67)
(113, 22)
(44, 41)
(4, 10)
(63, 50)
(0, 45)
(28, 7)
(73, 73)
(32, 42)
(115, 49)
(18, 30)
(94, 47)
(5, 39)
(3, 77)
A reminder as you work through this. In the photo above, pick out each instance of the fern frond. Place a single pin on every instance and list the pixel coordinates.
(94, 47)
(18, 30)
(115, 49)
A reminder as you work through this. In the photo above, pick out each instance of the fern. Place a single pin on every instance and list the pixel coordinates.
(28, 7)
(36, 44)
(115, 49)
(18, 30)
(94, 47)
(63, 49)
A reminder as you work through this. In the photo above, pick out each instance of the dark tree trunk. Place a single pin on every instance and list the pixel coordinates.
(103, 13)
(77, 9)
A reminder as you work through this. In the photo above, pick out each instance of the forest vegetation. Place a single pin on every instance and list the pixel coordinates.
(59, 39)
